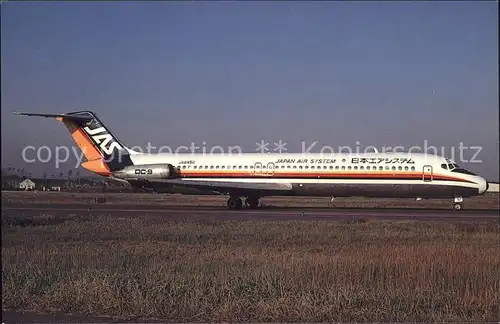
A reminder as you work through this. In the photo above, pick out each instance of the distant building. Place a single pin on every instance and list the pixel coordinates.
(10, 182)
(26, 184)
(50, 184)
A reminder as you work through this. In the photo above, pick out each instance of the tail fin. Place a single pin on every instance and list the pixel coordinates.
(103, 151)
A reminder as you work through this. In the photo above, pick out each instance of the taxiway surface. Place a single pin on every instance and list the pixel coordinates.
(275, 213)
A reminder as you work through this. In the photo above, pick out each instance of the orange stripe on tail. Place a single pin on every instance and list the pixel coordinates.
(94, 161)
(97, 166)
(80, 139)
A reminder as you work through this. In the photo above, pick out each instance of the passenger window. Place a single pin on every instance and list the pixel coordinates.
(223, 167)
(307, 167)
(183, 166)
(367, 168)
(336, 167)
(393, 168)
(300, 167)
(349, 168)
(295, 167)
(195, 167)
(343, 167)
(406, 168)
(288, 166)
(331, 167)
(381, 168)
(211, 167)
(361, 167)
(413, 168)
(355, 168)
(246, 166)
(400, 168)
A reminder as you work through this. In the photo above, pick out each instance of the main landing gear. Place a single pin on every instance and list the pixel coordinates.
(458, 203)
(236, 202)
(252, 202)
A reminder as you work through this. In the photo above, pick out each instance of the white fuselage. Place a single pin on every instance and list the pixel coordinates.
(364, 174)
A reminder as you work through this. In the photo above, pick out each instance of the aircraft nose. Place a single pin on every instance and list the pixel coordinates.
(483, 186)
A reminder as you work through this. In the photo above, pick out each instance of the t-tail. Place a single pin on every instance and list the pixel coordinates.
(104, 151)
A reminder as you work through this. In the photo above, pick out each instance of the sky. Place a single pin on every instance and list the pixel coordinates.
(236, 73)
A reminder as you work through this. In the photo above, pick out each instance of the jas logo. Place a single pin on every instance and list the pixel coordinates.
(105, 141)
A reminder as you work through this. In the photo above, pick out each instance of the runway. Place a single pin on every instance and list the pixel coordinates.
(275, 213)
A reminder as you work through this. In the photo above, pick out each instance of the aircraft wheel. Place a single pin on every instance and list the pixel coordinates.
(252, 202)
(457, 206)
(234, 203)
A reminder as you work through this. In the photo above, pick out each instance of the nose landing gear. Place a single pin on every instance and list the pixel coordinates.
(458, 203)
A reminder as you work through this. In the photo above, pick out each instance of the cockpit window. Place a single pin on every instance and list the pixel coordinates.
(451, 164)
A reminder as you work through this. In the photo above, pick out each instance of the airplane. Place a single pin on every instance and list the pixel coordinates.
(253, 176)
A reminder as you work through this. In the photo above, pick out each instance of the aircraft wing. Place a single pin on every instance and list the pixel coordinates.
(260, 188)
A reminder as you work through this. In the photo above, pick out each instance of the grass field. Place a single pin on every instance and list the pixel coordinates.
(155, 267)
(487, 201)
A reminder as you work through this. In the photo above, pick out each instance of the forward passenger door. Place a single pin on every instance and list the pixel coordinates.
(427, 173)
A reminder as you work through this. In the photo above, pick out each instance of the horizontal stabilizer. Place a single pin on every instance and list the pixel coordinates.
(65, 116)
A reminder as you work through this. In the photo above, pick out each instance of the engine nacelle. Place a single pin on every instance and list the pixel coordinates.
(146, 172)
